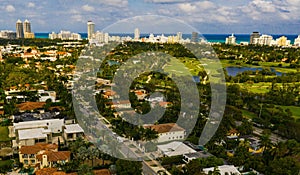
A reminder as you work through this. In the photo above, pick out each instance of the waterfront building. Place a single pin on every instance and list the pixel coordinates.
(27, 26)
(19, 29)
(297, 41)
(194, 37)
(179, 36)
(8, 34)
(91, 29)
(254, 36)
(231, 40)
(65, 35)
(282, 41)
(137, 34)
(263, 40)
(27, 29)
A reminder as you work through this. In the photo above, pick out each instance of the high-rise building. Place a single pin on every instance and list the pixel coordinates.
(254, 36)
(263, 40)
(283, 41)
(91, 29)
(194, 37)
(179, 36)
(27, 26)
(297, 41)
(137, 34)
(231, 40)
(19, 29)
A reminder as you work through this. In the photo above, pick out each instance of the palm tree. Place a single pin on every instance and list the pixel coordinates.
(93, 154)
(265, 142)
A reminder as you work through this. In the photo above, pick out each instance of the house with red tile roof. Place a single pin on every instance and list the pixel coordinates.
(42, 155)
(167, 132)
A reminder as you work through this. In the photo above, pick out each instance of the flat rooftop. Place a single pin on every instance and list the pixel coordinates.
(73, 128)
(37, 133)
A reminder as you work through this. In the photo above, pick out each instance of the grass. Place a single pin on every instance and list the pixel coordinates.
(259, 88)
(4, 134)
(177, 67)
(248, 114)
(294, 109)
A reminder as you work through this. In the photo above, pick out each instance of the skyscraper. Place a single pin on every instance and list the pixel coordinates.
(91, 29)
(19, 29)
(253, 37)
(194, 37)
(136, 34)
(27, 26)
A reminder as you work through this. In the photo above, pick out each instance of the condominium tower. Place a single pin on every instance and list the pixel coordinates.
(19, 29)
(91, 29)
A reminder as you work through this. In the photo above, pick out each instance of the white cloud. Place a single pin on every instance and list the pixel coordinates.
(31, 4)
(187, 7)
(10, 8)
(115, 3)
(203, 5)
(166, 1)
(88, 8)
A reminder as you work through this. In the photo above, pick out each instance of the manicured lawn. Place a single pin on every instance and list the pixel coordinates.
(176, 67)
(248, 114)
(294, 109)
(4, 134)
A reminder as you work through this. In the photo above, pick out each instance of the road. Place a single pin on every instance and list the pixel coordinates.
(274, 137)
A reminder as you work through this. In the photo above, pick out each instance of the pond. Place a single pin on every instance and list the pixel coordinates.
(233, 71)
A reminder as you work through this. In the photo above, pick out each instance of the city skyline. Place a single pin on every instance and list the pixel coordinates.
(216, 16)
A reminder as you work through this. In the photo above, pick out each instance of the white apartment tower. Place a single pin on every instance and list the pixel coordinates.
(137, 34)
(297, 41)
(19, 29)
(231, 40)
(91, 29)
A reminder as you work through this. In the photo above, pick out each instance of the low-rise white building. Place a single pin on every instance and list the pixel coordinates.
(168, 132)
(174, 149)
(224, 169)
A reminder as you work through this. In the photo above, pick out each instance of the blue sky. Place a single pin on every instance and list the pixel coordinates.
(213, 16)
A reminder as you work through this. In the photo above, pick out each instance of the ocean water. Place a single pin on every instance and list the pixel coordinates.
(209, 37)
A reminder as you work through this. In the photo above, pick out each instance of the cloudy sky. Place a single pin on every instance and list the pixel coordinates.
(213, 16)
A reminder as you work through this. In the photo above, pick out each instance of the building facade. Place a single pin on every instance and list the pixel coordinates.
(19, 29)
(91, 29)
(167, 132)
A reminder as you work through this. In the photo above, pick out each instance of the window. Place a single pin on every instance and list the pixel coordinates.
(26, 162)
(25, 155)
(32, 161)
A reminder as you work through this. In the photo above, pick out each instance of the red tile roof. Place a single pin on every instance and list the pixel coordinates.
(163, 128)
(55, 156)
(102, 172)
(37, 148)
(29, 106)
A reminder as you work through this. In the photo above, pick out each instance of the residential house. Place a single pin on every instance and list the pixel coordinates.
(72, 132)
(195, 155)
(168, 132)
(174, 149)
(43, 155)
(224, 169)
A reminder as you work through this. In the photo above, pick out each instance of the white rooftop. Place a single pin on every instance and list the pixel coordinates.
(230, 169)
(175, 148)
(74, 128)
(37, 133)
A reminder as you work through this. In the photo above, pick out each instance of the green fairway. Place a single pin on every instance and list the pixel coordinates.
(248, 114)
(294, 109)
(4, 134)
